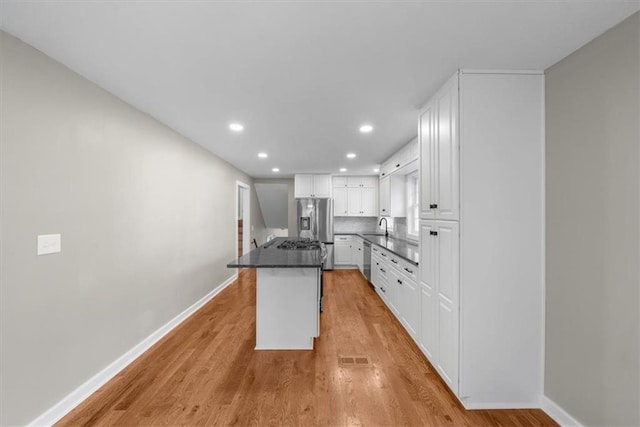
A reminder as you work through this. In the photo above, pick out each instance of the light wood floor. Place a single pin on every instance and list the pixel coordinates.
(206, 372)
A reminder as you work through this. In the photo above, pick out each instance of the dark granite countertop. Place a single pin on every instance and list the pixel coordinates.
(403, 248)
(269, 256)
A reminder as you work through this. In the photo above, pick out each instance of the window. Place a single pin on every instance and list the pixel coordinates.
(413, 205)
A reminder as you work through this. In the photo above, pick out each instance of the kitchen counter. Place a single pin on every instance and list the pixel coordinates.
(403, 248)
(269, 256)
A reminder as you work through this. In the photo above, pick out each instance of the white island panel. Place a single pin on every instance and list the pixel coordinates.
(287, 308)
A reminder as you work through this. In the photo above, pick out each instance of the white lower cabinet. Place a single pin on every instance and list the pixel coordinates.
(395, 280)
(358, 253)
(342, 247)
(410, 306)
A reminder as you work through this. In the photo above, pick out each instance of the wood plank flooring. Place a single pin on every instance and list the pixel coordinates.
(206, 372)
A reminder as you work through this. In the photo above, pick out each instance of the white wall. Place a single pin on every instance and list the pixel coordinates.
(593, 223)
(147, 221)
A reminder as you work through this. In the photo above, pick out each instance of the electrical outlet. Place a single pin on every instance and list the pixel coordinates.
(49, 244)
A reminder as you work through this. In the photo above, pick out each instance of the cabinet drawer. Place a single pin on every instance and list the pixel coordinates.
(343, 239)
(408, 269)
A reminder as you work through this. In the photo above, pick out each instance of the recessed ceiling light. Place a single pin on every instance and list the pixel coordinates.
(262, 155)
(351, 156)
(376, 170)
(236, 127)
(366, 128)
(275, 170)
(343, 169)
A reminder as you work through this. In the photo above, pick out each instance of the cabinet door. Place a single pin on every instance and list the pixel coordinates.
(339, 181)
(369, 201)
(369, 181)
(447, 294)
(303, 185)
(354, 182)
(410, 307)
(343, 253)
(321, 185)
(375, 271)
(393, 292)
(428, 305)
(353, 197)
(447, 241)
(426, 134)
(447, 155)
(340, 203)
(448, 343)
(385, 192)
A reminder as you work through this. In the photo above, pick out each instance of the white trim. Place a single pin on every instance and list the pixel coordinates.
(558, 414)
(246, 218)
(77, 396)
(501, 405)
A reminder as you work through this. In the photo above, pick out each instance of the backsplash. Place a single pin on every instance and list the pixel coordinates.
(347, 224)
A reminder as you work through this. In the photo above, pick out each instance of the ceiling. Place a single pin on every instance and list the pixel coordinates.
(300, 76)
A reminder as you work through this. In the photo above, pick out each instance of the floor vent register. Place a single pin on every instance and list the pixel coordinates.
(353, 361)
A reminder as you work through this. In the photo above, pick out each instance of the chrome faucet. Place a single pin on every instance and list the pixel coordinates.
(386, 231)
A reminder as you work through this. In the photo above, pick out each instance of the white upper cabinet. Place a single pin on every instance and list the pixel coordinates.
(355, 196)
(307, 185)
(401, 159)
(439, 154)
(393, 196)
(340, 202)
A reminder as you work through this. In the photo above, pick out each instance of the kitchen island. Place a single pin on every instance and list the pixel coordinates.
(287, 295)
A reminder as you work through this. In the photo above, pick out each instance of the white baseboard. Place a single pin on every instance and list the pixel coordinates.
(559, 415)
(501, 405)
(73, 399)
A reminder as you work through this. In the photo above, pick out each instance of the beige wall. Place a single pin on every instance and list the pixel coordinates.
(147, 221)
(593, 326)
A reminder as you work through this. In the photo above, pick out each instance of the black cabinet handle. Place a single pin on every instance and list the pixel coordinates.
(400, 281)
(398, 165)
(433, 206)
(408, 271)
(383, 254)
(382, 269)
(433, 233)
(382, 289)
(394, 261)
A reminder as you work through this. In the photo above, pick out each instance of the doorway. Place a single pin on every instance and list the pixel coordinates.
(243, 201)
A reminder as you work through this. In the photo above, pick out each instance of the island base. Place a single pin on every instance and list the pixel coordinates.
(287, 308)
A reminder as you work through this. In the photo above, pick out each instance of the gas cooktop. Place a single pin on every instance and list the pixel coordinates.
(299, 244)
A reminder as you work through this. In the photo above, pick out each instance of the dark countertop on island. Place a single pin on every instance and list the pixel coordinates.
(269, 256)
(403, 248)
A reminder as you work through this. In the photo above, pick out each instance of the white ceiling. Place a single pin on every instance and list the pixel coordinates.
(301, 76)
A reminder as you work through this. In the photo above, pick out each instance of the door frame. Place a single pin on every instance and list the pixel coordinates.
(246, 217)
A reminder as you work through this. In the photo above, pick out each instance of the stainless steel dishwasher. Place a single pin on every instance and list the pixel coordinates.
(366, 260)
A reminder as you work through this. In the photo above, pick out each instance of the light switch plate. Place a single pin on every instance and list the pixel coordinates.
(49, 244)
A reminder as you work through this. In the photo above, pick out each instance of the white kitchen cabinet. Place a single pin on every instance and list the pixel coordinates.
(362, 181)
(355, 196)
(438, 134)
(439, 266)
(399, 160)
(394, 292)
(340, 201)
(393, 196)
(307, 185)
(429, 328)
(358, 253)
(343, 250)
(481, 276)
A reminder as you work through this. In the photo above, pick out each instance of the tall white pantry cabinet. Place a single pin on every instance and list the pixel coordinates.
(482, 236)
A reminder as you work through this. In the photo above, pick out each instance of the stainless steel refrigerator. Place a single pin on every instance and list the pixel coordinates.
(315, 222)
